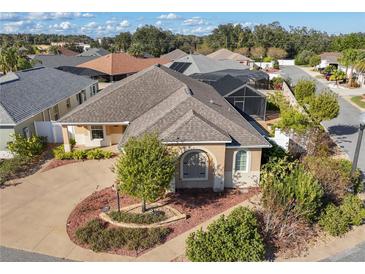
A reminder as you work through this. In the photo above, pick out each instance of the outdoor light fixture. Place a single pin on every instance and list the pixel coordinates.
(358, 144)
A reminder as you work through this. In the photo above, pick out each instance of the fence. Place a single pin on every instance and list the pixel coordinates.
(290, 141)
(49, 129)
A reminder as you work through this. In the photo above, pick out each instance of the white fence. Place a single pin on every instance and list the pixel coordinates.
(51, 130)
(286, 62)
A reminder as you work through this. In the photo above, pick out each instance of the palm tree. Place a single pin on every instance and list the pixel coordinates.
(350, 58)
(360, 65)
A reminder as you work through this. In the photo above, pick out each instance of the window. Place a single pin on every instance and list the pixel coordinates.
(97, 132)
(239, 102)
(81, 97)
(68, 103)
(241, 161)
(195, 166)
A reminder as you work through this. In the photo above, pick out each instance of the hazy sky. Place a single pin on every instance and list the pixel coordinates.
(109, 24)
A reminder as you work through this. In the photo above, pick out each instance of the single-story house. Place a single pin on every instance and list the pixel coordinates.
(218, 148)
(329, 59)
(120, 65)
(38, 94)
(67, 52)
(94, 52)
(239, 87)
(225, 54)
(55, 61)
(198, 63)
(174, 55)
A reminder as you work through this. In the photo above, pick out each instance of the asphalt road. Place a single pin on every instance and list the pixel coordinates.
(356, 254)
(16, 255)
(344, 128)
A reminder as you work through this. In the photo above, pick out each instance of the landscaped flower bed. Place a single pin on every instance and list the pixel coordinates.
(198, 205)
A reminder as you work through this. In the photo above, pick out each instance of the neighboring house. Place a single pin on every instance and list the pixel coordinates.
(67, 52)
(97, 52)
(120, 65)
(329, 58)
(38, 94)
(174, 55)
(225, 54)
(55, 61)
(217, 147)
(198, 63)
(239, 87)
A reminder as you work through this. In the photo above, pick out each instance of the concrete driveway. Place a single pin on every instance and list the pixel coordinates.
(33, 214)
(344, 128)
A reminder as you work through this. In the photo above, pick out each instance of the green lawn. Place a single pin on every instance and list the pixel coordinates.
(357, 101)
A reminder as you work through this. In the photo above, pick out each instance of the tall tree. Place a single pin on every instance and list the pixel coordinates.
(123, 41)
(349, 58)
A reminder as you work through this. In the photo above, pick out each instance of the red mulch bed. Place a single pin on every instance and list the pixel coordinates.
(198, 204)
(57, 163)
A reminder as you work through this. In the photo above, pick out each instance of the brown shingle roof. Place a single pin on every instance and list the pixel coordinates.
(330, 56)
(225, 54)
(67, 52)
(176, 106)
(121, 63)
(174, 55)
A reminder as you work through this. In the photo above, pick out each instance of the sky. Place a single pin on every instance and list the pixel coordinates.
(109, 24)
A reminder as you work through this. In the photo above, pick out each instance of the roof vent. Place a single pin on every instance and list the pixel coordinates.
(9, 77)
(158, 65)
(188, 91)
(211, 101)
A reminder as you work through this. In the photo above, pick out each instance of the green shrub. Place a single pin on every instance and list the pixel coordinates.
(72, 142)
(286, 186)
(353, 208)
(323, 107)
(60, 154)
(303, 57)
(10, 167)
(79, 154)
(334, 175)
(267, 59)
(304, 90)
(26, 147)
(277, 83)
(315, 60)
(292, 119)
(229, 239)
(275, 64)
(333, 221)
(95, 154)
(275, 151)
(138, 218)
(100, 238)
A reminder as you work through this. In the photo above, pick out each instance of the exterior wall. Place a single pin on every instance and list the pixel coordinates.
(112, 135)
(29, 124)
(216, 159)
(5, 132)
(241, 179)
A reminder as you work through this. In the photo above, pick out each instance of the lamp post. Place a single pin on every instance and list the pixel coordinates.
(358, 144)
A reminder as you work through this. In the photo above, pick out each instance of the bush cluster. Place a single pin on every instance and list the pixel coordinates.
(26, 147)
(10, 167)
(101, 238)
(304, 90)
(303, 58)
(138, 218)
(232, 238)
(277, 83)
(93, 154)
(337, 220)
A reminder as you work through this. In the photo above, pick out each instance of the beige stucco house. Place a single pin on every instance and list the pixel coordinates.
(218, 148)
(39, 94)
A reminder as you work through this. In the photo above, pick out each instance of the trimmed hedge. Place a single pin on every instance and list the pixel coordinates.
(337, 220)
(99, 237)
(229, 239)
(60, 154)
(138, 218)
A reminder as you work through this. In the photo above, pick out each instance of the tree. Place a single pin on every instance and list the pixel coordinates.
(136, 50)
(243, 51)
(315, 60)
(323, 107)
(123, 41)
(54, 50)
(303, 57)
(145, 168)
(337, 75)
(257, 53)
(10, 60)
(349, 58)
(276, 53)
(303, 90)
(292, 119)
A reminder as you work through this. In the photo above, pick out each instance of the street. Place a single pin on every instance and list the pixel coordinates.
(356, 254)
(344, 128)
(16, 255)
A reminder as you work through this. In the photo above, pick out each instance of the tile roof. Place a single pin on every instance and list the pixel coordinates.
(177, 106)
(121, 63)
(203, 64)
(36, 90)
(174, 55)
(225, 54)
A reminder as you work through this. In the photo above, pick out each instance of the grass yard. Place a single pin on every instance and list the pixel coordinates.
(358, 100)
